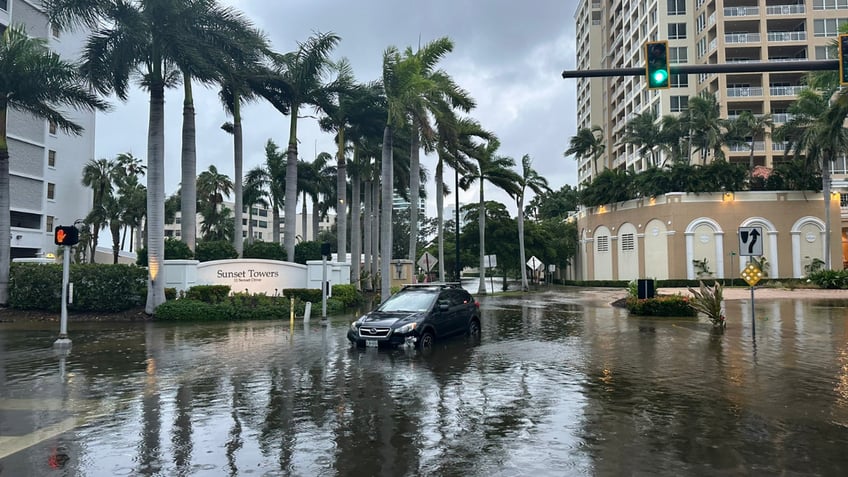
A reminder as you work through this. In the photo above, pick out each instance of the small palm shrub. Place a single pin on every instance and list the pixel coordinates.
(708, 300)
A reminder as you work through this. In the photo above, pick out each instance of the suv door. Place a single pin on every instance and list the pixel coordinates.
(457, 300)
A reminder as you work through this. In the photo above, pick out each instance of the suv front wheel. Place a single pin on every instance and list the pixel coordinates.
(426, 341)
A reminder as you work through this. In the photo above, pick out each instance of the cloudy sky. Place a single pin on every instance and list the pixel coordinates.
(509, 55)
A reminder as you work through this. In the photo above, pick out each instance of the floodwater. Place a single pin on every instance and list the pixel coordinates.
(557, 385)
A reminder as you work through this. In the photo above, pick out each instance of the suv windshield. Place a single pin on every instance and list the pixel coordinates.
(410, 300)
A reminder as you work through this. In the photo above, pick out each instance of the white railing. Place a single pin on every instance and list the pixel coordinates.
(746, 147)
(785, 9)
(741, 11)
(713, 45)
(787, 36)
(742, 38)
(711, 21)
(785, 90)
(781, 117)
(786, 59)
(742, 60)
(778, 146)
(743, 92)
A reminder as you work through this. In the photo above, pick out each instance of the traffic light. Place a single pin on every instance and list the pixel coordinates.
(66, 235)
(843, 59)
(656, 64)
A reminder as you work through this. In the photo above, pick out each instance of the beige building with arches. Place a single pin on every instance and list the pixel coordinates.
(690, 236)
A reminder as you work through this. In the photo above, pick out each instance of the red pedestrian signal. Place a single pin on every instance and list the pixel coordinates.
(66, 235)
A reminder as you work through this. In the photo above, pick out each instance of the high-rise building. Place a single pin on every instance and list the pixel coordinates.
(45, 163)
(612, 34)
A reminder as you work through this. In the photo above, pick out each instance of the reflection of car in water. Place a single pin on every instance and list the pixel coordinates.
(418, 315)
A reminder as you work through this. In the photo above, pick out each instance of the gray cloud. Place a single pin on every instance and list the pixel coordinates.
(507, 54)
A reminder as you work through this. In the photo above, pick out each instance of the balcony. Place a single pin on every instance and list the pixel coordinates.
(758, 146)
(785, 10)
(779, 118)
(787, 36)
(742, 11)
(778, 146)
(785, 90)
(744, 92)
(742, 38)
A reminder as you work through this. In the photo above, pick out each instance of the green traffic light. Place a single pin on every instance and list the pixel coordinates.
(659, 77)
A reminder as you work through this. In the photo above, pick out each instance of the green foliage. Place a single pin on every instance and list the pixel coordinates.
(832, 279)
(664, 305)
(348, 295)
(208, 293)
(814, 266)
(215, 250)
(175, 249)
(304, 251)
(239, 306)
(97, 287)
(708, 300)
(264, 250)
(304, 294)
(170, 293)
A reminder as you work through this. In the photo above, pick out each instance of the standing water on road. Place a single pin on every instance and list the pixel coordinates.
(557, 385)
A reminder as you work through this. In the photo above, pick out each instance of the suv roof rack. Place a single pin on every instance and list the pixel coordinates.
(434, 284)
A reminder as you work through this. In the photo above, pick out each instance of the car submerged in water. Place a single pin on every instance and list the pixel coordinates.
(418, 315)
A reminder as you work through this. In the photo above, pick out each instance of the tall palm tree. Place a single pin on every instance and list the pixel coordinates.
(304, 71)
(252, 194)
(703, 117)
(643, 132)
(754, 127)
(37, 82)
(587, 143)
(142, 40)
(98, 175)
(212, 188)
(497, 170)
(674, 138)
(529, 179)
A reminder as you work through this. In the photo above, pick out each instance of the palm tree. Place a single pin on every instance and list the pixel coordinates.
(212, 188)
(252, 194)
(303, 71)
(588, 142)
(38, 82)
(142, 40)
(643, 132)
(98, 175)
(497, 170)
(702, 115)
(673, 138)
(538, 184)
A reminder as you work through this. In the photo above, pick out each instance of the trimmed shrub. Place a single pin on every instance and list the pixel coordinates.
(235, 307)
(264, 250)
(304, 294)
(347, 294)
(207, 251)
(307, 251)
(208, 293)
(664, 305)
(175, 249)
(97, 287)
(832, 279)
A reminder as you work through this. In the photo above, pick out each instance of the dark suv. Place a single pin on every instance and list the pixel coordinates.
(418, 315)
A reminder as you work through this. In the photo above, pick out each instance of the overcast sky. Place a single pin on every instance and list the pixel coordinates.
(508, 54)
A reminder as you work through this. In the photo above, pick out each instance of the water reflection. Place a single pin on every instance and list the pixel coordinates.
(556, 386)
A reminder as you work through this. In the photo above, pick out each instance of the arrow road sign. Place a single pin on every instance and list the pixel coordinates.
(427, 261)
(750, 241)
(534, 263)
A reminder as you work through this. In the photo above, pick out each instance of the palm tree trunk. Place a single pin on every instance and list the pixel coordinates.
(387, 186)
(751, 159)
(5, 219)
(303, 223)
(827, 225)
(188, 185)
(116, 240)
(275, 223)
(414, 191)
(369, 233)
(250, 223)
(156, 196)
(95, 236)
(291, 186)
(355, 231)
(375, 233)
(522, 256)
(341, 193)
(238, 164)
(481, 222)
(440, 219)
(316, 219)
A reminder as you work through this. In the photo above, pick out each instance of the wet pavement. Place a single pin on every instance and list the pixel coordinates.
(557, 385)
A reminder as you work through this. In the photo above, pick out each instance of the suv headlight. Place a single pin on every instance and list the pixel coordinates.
(355, 325)
(407, 328)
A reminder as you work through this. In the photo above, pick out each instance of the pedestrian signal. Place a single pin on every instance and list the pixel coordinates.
(66, 235)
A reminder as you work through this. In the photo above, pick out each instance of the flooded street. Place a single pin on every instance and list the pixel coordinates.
(557, 385)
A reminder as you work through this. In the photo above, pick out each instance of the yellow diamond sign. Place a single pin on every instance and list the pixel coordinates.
(751, 274)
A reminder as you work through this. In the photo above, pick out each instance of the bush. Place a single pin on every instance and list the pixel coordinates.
(347, 294)
(832, 279)
(307, 251)
(208, 293)
(264, 250)
(170, 293)
(215, 250)
(175, 249)
(97, 287)
(665, 305)
(304, 294)
(235, 307)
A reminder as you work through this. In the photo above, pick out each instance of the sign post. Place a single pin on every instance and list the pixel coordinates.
(534, 264)
(66, 236)
(427, 262)
(491, 261)
(752, 275)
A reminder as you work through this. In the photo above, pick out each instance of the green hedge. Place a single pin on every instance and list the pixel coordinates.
(208, 293)
(264, 250)
(97, 287)
(207, 251)
(348, 295)
(662, 305)
(233, 309)
(304, 294)
(175, 249)
(832, 279)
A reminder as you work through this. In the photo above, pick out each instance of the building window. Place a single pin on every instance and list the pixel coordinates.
(263, 212)
(825, 4)
(628, 243)
(178, 220)
(676, 31)
(51, 158)
(679, 103)
(169, 233)
(678, 54)
(51, 191)
(52, 128)
(4, 5)
(603, 243)
(55, 30)
(828, 26)
(825, 53)
(677, 7)
(679, 81)
(263, 224)
(48, 221)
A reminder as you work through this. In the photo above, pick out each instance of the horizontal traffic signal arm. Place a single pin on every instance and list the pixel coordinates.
(762, 67)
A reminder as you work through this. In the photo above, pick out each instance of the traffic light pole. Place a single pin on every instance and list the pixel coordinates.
(758, 67)
(64, 341)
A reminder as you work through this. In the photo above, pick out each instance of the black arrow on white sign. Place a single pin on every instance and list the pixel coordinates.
(754, 236)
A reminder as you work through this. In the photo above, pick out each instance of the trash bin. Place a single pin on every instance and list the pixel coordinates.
(644, 288)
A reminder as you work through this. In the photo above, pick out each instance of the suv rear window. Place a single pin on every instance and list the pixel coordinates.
(410, 300)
